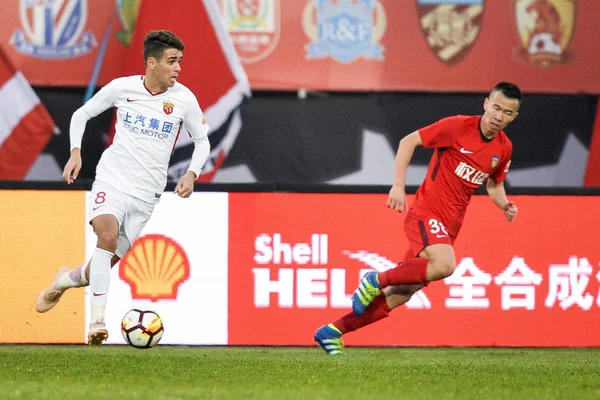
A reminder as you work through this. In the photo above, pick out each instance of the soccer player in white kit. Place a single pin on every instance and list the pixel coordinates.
(132, 172)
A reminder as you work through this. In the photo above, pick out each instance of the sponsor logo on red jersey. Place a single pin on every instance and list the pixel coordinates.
(471, 174)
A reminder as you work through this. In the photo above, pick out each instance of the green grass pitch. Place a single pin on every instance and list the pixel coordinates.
(170, 372)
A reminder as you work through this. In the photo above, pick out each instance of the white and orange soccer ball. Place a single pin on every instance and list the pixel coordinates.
(142, 329)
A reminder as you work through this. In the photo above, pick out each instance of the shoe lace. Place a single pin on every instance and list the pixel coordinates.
(371, 292)
(367, 292)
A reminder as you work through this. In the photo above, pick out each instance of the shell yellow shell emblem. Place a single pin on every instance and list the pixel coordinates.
(154, 268)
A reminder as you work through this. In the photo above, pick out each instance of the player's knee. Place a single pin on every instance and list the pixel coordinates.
(107, 241)
(442, 269)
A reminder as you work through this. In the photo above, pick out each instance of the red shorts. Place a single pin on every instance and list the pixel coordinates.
(422, 232)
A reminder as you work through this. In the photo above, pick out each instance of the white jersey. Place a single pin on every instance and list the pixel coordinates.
(146, 130)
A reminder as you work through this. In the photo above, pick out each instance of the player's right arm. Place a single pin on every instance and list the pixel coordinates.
(397, 197)
(437, 135)
(99, 103)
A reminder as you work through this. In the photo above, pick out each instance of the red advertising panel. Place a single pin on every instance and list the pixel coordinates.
(295, 259)
(447, 45)
(434, 45)
(57, 43)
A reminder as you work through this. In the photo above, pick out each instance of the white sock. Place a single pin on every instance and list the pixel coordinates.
(99, 282)
(75, 278)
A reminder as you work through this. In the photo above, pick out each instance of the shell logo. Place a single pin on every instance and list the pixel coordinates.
(155, 267)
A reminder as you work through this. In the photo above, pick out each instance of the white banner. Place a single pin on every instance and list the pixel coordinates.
(177, 268)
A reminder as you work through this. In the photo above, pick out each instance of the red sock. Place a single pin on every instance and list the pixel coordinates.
(411, 272)
(378, 309)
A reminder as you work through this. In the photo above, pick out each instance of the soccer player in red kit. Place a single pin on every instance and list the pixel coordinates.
(469, 151)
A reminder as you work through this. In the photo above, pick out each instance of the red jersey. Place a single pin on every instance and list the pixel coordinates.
(463, 160)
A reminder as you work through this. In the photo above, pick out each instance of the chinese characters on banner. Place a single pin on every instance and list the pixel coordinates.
(566, 285)
(296, 259)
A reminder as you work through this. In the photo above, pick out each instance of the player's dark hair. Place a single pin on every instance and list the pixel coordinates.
(509, 90)
(156, 42)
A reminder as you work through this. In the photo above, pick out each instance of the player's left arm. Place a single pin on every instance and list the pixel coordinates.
(196, 125)
(498, 196)
(495, 185)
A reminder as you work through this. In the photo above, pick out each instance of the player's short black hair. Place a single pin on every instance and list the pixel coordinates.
(509, 90)
(156, 42)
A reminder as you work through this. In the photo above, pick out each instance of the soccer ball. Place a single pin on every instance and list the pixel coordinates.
(142, 328)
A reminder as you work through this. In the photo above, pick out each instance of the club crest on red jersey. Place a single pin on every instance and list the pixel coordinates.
(450, 26)
(495, 161)
(168, 107)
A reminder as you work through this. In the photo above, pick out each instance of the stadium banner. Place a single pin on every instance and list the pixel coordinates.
(40, 232)
(382, 45)
(57, 43)
(422, 45)
(177, 267)
(295, 259)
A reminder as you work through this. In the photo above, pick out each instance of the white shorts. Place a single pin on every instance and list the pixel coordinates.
(132, 213)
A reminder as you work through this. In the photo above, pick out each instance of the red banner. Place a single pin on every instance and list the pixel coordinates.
(434, 45)
(295, 259)
(56, 43)
(437, 45)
